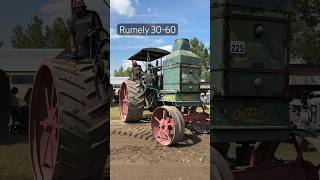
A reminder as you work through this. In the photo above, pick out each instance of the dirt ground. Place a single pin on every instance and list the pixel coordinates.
(136, 155)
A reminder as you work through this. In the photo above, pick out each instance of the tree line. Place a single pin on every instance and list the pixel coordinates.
(38, 35)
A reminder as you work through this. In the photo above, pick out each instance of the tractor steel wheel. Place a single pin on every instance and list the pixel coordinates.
(167, 125)
(219, 168)
(68, 122)
(131, 101)
(5, 99)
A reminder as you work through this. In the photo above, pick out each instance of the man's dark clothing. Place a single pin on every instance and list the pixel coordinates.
(80, 26)
(136, 72)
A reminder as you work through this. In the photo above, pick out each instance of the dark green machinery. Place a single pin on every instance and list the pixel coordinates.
(171, 89)
(250, 80)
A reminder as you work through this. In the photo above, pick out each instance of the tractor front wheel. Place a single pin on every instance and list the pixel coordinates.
(167, 125)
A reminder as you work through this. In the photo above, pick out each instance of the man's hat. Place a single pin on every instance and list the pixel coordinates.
(78, 3)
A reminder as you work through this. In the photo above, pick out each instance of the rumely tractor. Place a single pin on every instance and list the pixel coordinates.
(170, 90)
(5, 103)
(69, 113)
(250, 104)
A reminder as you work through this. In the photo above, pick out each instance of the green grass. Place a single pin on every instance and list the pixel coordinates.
(15, 162)
(115, 113)
(287, 152)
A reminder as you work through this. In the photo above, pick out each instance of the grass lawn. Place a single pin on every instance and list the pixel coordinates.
(15, 162)
(115, 113)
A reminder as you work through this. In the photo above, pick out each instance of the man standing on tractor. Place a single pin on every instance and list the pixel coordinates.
(83, 21)
(136, 70)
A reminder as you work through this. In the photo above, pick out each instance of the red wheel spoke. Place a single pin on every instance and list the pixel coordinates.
(46, 148)
(52, 93)
(158, 134)
(157, 119)
(52, 154)
(167, 135)
(47, 100)
(163, 114)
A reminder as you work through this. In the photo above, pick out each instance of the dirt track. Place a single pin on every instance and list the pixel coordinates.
(136, 155)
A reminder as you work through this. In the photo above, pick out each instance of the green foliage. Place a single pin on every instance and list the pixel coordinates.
(202, 51)
(18, 38)
(306, 31)
(37, 36)
(56, 35)
(121, 72)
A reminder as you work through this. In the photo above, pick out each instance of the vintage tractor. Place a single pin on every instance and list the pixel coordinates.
(249, 76)
(170, 90)
(69, 116)
(5, 103)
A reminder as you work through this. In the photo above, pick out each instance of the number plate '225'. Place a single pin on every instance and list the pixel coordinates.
(237, 47)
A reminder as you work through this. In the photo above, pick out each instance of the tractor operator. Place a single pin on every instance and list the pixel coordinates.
(83, 21)
(136, 70)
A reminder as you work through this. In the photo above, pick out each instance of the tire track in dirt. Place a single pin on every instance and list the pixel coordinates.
(134, 149)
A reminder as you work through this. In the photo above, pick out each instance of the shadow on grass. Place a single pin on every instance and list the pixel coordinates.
(10, 140)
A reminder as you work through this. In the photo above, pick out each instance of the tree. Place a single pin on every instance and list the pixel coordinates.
(18, 38)
(121, 72)
(306, 32)
(1, 44)
(56, 36)
(35, 38)
(202, 51)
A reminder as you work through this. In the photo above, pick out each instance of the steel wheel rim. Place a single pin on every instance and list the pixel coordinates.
(44, 125)
(163, 126)
(123, 101)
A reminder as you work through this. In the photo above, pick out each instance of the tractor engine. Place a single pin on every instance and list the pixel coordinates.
(181, 75)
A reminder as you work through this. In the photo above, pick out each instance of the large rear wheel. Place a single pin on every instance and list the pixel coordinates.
(68, 122)
(219, 168)
(131, 101)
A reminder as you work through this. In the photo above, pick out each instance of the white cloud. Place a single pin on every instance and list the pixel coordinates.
(55, 9)
(167, 47)
(114, 35)
(123, 7)
(159, 41)
(184, 21)
(152, 9)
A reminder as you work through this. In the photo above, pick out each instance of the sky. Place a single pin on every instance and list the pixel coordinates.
(16, 12)
(192, 17)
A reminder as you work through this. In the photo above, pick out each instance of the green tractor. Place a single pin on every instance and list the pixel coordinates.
(170, 90)
(250, 106)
